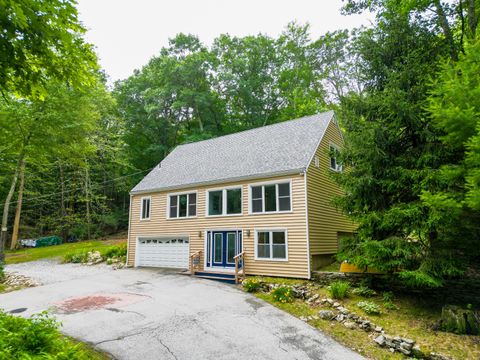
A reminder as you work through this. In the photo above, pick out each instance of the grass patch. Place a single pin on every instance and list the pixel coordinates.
(410, 317)
(333, 267)
(57, 251)
(39, 337)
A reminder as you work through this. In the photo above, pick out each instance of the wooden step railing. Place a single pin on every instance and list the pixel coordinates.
(239, 264)
(195, 261)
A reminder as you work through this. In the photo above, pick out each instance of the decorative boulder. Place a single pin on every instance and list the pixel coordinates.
(326, 314)
(460, 321)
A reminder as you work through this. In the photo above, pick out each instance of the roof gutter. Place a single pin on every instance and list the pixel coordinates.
(220, 181)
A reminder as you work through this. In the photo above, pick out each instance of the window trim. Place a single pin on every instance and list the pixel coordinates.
(339, 167)
(178, 207)
(224, 200)
(271, 230)
(149, 198)
(273, 182)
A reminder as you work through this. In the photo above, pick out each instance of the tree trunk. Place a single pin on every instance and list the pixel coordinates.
(447, 32)
(18, 212)
(87, 196)
(6, 207)
(472, 18)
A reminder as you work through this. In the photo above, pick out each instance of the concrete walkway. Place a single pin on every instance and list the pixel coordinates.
(157, 314)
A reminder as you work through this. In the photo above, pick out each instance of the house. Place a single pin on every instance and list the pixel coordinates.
(257, 200)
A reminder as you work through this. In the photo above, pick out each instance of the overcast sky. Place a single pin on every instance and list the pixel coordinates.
(127, 33)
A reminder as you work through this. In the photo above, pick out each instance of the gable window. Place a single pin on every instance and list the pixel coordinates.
(225, 202)
(270, 198)
(334, 163)
(145, 208)
(182, 205)
(271, 244)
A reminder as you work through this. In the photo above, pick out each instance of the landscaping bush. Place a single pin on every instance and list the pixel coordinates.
(283, 294)
(114, 251)
(369, 307)
(339, 289)
(388, 296)
(36, 337)
(81, 256)
(2, 272)
(76, 257)
(251, 285)
(364, 291)
(390, 305)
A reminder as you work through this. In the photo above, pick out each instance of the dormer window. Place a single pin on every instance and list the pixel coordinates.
(335, 165)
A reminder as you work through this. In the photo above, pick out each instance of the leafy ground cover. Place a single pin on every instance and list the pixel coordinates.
(38, 337)
(400, 315)
(59, 251)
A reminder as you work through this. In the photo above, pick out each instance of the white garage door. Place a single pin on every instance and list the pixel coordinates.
(163, 252)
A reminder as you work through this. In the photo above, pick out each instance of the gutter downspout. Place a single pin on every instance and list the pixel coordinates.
(129, 229)
(306, 220)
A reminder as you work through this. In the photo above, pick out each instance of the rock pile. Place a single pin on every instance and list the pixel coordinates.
(93, 258)
(352, 321)
(14, 280)
(397, 343)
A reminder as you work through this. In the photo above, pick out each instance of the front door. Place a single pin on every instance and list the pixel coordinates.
(222, 247)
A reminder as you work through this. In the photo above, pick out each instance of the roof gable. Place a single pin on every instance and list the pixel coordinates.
(280, 148)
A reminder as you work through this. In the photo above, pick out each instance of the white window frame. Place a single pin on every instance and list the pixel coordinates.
(149, 198)
(338, 167)
(224, 200)
(271, 230)
(178, 207)
(274, 182)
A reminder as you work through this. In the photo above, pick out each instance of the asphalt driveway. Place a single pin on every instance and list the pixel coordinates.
(159, 314)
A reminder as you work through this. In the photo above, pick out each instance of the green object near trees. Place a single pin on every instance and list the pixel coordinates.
(48, 241)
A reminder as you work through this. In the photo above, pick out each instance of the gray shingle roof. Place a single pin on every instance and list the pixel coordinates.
(284, 147)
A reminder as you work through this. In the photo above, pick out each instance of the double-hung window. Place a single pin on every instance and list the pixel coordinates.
(334, 162)
(270, 198)
(271, 244)
(182, 205)
(145, 208)
(224, 202)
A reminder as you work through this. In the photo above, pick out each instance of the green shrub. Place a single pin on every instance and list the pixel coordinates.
(2, 272)
(369, 307)
(252, 285)
(339, 289)
(36, 337)
(388, 296)
(390, 305)
(283, 294)
(114, 251)
(76, 257)
(364, 291)
(81, 256)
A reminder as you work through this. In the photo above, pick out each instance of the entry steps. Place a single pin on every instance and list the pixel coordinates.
(226, 277)
(218, 276)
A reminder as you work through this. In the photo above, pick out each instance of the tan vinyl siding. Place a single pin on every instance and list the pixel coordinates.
(294, 222)
(324, 220)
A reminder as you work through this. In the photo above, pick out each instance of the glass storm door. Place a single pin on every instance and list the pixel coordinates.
(222, 247)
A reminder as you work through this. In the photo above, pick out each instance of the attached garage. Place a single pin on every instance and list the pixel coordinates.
(168, 252)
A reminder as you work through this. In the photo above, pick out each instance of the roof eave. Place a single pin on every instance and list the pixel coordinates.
(222, 181)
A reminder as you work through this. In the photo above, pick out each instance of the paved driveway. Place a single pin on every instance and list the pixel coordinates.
(158, 314)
